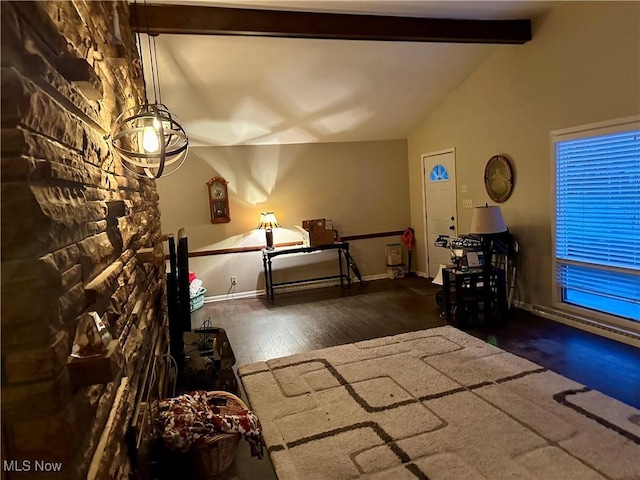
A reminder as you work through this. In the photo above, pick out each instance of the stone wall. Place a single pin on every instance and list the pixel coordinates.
(74, 222)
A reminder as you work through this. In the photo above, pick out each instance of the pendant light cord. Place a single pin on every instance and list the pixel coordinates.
(157, 70)
(153, 58)
(139, 47)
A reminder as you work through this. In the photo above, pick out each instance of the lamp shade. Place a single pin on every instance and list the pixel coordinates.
(487, 219)
(268, 221)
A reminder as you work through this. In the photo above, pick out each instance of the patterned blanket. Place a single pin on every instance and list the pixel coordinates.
(190, 419)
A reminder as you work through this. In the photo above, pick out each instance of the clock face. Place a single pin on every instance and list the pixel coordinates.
(218, 191)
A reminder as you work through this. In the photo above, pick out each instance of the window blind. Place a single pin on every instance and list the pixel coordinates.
(598, 222)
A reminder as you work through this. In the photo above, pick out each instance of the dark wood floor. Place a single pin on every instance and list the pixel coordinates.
(306, 320)
(310, 319)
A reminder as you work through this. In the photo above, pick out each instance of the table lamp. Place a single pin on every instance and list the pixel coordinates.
(268, 222)
(487, 221)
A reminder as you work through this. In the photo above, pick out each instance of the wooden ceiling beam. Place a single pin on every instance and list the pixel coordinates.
(207, 20)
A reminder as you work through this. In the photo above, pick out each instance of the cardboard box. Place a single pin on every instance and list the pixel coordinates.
(393, 251)
(320, 237)
(319, 232)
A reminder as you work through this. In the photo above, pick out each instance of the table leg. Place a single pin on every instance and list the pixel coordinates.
(501, 295)
(340, 264)
(347, 256)
(447, 294)
(266, 276)
(270, 279)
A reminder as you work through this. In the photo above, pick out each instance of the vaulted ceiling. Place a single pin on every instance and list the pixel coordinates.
(253, 89)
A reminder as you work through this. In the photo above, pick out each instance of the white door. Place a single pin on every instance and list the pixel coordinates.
(440, 205)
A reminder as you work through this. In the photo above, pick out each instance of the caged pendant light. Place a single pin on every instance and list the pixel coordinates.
(148, 138)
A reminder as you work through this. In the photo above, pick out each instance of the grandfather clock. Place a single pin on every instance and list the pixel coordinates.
(218, 200)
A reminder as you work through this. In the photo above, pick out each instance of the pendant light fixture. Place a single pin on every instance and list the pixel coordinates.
(148, 138)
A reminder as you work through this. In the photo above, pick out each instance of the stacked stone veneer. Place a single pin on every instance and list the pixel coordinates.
(73, 222)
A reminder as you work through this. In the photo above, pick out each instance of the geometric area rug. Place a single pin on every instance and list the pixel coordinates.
(436, 404)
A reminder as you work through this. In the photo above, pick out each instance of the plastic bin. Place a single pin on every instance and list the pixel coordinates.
(395, 271)
(197, 300)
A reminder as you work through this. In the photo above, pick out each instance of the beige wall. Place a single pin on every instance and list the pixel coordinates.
(363, 186)
(583, 66)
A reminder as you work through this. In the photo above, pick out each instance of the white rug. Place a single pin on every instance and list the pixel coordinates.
(436, 404)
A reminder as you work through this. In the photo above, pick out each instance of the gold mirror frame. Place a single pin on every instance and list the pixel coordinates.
(498, 178)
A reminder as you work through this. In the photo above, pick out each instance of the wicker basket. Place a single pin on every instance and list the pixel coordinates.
(217, 454)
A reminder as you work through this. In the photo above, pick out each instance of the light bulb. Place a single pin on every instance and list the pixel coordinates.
(150, 141)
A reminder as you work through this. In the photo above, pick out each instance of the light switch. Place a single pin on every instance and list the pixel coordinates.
(467, 203)
(464, 188)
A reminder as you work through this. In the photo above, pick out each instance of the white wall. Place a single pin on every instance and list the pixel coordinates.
(582, 66)
(363, 186)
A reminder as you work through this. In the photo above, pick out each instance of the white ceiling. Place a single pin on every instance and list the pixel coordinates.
(234, 90)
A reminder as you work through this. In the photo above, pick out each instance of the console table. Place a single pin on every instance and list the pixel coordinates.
(268, 255)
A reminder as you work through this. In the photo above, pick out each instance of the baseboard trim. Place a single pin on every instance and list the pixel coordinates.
(289, 288)
(608, 331)
(377, 276)
(233, 296)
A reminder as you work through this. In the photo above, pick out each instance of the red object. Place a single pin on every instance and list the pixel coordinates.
(408, 238)
(192, 276)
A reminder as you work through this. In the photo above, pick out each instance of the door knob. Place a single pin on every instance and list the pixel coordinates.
(452, 218)
(452, 227)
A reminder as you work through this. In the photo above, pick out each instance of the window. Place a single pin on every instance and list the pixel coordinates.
(439, 174)
(597, 218)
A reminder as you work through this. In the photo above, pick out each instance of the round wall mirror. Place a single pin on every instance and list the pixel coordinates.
(498, 178)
